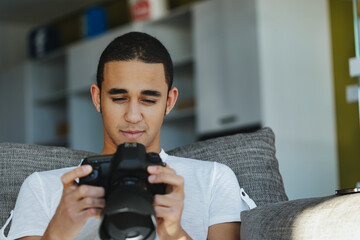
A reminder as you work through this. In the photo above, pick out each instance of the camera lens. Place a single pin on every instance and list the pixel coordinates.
(132, 234)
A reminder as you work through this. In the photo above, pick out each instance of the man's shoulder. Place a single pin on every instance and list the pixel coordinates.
(55, 172)
(189, 161)
(193, 168)
(48, 176)
(199, 167)
(197, 162)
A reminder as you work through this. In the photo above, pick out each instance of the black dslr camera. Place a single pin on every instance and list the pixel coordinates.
(128, 213)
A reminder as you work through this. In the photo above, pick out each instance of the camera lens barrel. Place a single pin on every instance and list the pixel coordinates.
(129, 213)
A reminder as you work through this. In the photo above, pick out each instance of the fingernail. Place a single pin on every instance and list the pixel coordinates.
(152, 169)
(152, 178)
(86, 168)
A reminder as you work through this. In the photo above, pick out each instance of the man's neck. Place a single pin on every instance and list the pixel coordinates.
(111, 150)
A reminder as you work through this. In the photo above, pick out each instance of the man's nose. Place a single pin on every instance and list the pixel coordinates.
(133, 113)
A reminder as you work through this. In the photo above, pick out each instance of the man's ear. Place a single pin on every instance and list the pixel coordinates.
(172, 97)
(95, 95)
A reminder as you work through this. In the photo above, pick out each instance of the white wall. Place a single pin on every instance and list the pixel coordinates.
(297, 92)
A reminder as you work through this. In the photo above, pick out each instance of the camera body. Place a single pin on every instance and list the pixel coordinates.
(101, 170)
(128, 213)
(127, 166)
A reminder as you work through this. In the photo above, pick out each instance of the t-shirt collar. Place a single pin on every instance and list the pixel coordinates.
(163, 155)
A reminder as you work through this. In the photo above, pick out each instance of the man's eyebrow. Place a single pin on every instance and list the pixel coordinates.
(151, 93)
(117, 91)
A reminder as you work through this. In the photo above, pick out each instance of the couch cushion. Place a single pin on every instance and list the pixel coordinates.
(323, 218)
(251, 156)
(20, 160)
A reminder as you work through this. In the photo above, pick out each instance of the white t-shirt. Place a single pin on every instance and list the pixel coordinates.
(212, 196)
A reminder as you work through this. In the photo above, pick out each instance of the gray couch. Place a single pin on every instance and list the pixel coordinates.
(252, 158)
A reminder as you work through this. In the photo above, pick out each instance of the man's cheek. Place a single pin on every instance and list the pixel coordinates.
(155, 113)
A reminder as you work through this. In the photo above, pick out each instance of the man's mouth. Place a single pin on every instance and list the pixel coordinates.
(132, 134)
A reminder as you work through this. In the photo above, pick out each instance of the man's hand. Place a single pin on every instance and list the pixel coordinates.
(77, 204)
(168, 207)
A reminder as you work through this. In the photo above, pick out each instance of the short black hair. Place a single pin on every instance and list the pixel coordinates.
(136, 46)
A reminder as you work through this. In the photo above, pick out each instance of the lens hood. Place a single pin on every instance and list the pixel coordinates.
(129, 215)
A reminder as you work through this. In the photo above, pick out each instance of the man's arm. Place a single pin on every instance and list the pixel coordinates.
(169, 208)
(225, 211)
(228, 231)
(77, 204)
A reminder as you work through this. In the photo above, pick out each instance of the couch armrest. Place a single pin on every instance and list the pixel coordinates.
(331, 217)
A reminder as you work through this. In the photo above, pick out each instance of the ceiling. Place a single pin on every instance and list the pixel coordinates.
(39, 11)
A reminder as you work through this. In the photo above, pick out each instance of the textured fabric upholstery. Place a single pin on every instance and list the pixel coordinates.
(20, 160)
(251, 156)
(325, 218)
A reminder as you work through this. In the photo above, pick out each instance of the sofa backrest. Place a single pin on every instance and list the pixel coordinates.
(20, 160)
(251, 156)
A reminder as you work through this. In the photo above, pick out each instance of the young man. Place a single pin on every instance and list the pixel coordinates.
(133, 94)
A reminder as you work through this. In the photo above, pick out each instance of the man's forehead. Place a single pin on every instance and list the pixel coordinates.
(135, 76)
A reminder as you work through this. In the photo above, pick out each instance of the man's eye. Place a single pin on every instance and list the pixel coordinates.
(118, 99)
(149, 101)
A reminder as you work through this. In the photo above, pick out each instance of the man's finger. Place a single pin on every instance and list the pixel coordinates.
(69, 177)
(160, 169)
(163, 212)
(91, 212)
(84, 191)
(168, 178)
(167, 201)
(92, 203)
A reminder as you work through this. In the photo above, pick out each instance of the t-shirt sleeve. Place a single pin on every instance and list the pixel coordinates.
(31, 216)
(226, 203)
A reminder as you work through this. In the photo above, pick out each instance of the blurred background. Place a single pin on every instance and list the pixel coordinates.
(239, 65)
